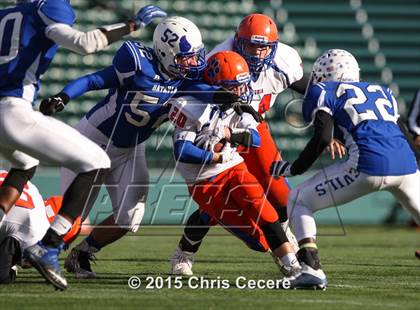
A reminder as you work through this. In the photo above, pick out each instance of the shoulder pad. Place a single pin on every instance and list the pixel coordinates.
(132, 56)
(59, 11)
(196, 113)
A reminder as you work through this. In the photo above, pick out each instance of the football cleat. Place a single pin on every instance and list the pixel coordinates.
(78, 262)
(45, 260)
(308, 278)
(182, 262)
(287, 271)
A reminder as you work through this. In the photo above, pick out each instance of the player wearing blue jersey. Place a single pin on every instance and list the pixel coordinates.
(380, 158)
(30, 34)
(140, 81)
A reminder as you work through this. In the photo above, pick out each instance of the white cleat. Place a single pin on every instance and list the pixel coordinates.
(308, 278)
(181, 262)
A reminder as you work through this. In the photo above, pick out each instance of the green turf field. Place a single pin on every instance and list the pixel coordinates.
(368, 268)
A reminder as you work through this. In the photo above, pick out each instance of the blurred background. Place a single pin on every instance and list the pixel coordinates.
(384, 35)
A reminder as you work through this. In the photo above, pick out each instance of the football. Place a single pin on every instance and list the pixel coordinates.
(218, 147)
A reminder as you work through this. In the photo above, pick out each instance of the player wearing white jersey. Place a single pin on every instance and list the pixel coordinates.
(206, 138)
(380, 158)
(31, 33)
(24, 225)
(274, 67)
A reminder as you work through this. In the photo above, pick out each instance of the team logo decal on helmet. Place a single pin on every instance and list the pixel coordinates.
(229, 70)
(175, 40)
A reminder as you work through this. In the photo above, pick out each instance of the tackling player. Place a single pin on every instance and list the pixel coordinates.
(31, 33)
(24, 225)
(140, 80)
(206, 138)
(380, 157)
(274, 67)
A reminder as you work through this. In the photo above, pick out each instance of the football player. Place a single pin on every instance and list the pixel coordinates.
(140, 81)
(380, 157)
(206, 138)
(31, 33)
(274, 67)
(24, 225)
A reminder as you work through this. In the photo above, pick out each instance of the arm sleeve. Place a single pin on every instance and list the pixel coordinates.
(301, 85)
(185, 151)
(75, 40)
(104, 79)
(323, 134)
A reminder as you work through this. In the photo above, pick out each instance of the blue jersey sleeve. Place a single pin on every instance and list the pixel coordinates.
(185, 151)
(59, 11)
(104, 79)
(199, 90)
(256, 139)
(317, 98)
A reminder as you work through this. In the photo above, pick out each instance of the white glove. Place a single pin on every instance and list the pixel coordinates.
(280, 169)
(207, 138)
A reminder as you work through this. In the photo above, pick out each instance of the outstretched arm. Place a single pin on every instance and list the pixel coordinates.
(92, 41)
(323, 135)
(103, 79)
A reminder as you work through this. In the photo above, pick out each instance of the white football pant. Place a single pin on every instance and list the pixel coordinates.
(27, 137)
(127, 182)
(341, 183)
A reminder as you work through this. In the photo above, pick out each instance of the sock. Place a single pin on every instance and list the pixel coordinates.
(61, 225)
(52, 239)
(303, 222)
(188, 245)
(89, 245)
(282, 213)
(308, 245)
(290, 260)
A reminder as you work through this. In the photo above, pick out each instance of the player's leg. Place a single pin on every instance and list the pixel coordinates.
(127, 185)
(332, 186)
(406, 189)
(248, 195)
(206, 194)
(258, 161)
(23, 170)
(52, 141)
(10, 255)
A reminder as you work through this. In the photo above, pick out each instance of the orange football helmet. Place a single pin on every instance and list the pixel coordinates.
(229, 70)
(256, 30)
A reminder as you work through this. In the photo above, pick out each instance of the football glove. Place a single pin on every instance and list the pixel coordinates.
(280, 169)
(208, 137)
(241, 108)
(54, 104)
(146, 14)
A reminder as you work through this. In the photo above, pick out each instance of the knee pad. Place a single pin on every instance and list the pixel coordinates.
(17, 178)
(274, 234)
(130, 219)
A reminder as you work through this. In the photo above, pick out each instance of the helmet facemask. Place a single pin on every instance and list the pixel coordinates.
(256, 63)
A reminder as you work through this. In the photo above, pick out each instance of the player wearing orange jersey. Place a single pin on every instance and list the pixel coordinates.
(206, 138)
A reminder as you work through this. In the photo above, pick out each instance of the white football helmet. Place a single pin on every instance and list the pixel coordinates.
(178, 37)
(335, 65)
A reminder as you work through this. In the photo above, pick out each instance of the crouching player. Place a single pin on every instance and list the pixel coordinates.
(380, 157)
(24, 225)
(205, 146)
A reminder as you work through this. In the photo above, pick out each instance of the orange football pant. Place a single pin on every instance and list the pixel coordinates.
(236, 200)
(258, 162)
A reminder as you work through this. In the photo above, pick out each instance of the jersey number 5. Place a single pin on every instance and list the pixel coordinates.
(9, 36)
(353, 106)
